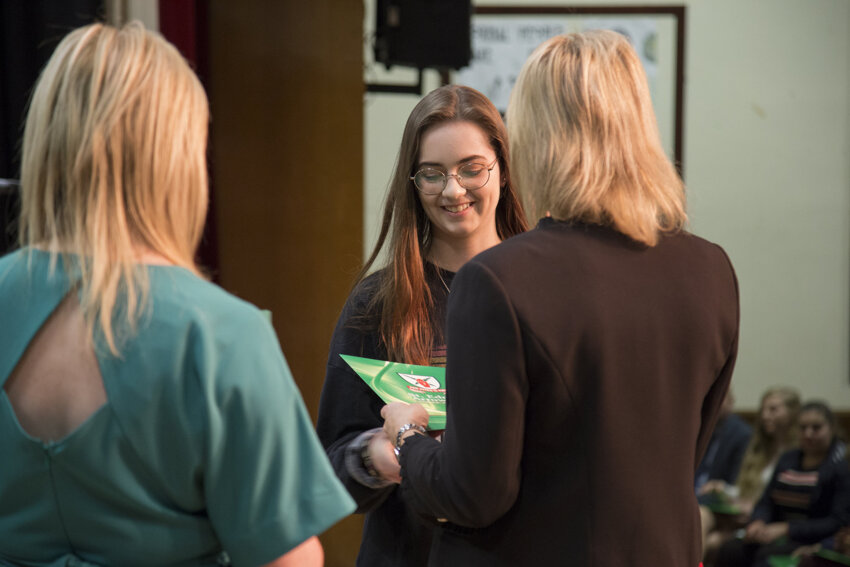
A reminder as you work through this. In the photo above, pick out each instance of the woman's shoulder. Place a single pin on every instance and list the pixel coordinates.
(29, 266)
(561, 237)
(360, 299)
(370, 283)
(10, 259)
(178, 297)
(551, 229)
(180, 286)
(13, 270)
(199, 330)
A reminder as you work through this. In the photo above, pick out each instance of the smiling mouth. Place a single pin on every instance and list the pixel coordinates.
(458, 208)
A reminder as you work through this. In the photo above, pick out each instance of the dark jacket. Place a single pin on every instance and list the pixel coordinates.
(393, 535)
(585, 376)
(722, 460)
(829, 503)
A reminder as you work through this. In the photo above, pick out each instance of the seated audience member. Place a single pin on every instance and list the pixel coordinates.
(807, 499)
(722, 459)
(148, 417)
(775, 433)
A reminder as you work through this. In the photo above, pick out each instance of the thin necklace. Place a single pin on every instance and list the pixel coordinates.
(440, 275)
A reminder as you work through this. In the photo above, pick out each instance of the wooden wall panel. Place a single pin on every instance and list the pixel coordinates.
(286, 94)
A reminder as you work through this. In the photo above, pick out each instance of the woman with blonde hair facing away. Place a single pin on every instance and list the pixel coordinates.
(147, 417)
(450, 198)
(775, 433)
(560, 338)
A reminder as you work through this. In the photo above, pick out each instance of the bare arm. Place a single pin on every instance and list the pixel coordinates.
(307, 554)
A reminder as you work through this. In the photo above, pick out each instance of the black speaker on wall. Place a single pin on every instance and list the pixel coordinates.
(426, 34)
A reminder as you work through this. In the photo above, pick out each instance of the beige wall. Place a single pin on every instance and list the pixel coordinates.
(147, 11)
(767, 147)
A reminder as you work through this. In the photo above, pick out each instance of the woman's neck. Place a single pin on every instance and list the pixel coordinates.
(454, 254)
(151, 258)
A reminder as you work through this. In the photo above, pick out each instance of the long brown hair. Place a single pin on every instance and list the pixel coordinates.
(403, 298)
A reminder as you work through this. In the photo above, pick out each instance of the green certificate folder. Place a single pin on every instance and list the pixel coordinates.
(719, 503)
(834, 558)
(783, 561)
(408, 383)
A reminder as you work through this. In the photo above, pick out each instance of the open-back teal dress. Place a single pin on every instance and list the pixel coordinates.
(203, 451)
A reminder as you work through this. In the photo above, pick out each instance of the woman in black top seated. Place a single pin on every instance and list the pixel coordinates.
(807, 499)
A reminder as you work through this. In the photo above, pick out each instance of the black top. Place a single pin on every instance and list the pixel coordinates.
(814, 502)
(585, 376)
(393, 535)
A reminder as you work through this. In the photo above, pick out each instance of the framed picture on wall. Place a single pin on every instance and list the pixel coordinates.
(504, 36)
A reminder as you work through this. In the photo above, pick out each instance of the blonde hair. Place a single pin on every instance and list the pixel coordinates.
(585, 140)
(763, 448)
(113, 164)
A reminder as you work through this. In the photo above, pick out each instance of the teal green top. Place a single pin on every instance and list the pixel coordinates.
(203, 446)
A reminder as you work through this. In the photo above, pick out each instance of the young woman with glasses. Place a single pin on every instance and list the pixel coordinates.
(450, 198)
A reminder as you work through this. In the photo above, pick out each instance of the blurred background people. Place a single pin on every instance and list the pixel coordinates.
(450, 198)
(806, 500)
(150, 417)
(559, 340)
(775, 432)
(722, 461)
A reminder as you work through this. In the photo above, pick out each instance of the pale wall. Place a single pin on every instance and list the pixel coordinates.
(767, 164)
(146, 11)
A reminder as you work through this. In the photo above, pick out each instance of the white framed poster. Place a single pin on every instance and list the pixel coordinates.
(504, 36)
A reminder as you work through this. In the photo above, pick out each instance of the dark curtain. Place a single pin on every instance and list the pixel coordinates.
(29, 32)
(185, 23)
(9, 207)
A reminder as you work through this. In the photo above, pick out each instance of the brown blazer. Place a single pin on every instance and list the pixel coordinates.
(584, 379)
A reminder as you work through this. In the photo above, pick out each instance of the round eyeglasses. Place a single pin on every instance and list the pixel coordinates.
(470, 176)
